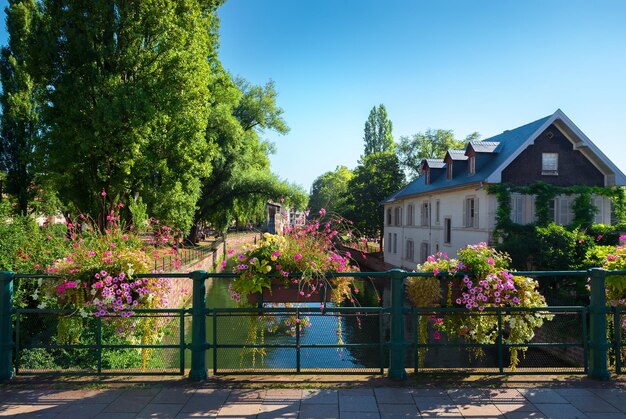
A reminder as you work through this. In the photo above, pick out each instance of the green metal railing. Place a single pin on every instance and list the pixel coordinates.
(186, 255)
(393, 353)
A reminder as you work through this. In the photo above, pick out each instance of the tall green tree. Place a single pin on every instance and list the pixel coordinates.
(377, 133)
(127, 103)
(330, 191)
(19, 134)
(241, 179)
(432, 144)
(378, 176)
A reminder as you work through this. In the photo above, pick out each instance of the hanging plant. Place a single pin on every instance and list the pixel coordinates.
(477, 280)
(309, 252)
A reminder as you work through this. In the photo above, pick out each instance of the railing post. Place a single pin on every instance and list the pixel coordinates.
(6, 325)
(598, 360)
(198, 370)
(396, 336)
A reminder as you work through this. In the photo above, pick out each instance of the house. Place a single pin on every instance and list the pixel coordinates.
(280, 216)
(448, 206)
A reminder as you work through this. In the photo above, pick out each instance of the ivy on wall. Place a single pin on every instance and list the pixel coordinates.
(544, 193)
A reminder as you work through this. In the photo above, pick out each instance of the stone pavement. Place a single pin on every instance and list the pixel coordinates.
(364, 402)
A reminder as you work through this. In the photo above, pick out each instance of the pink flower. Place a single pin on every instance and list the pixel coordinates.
(231, 251)
(622, 238)
(436, 335)
(490, 261)
(322, 212)
(103, 193)
(435, 271)
(298, 256)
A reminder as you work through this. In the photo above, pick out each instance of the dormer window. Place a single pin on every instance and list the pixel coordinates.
(471, 165)
(427, 176)
(550, 164)
(449, 170)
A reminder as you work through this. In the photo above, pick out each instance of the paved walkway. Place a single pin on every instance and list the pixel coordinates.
(357, 403)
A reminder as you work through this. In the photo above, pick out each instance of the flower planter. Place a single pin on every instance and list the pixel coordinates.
(288, 294)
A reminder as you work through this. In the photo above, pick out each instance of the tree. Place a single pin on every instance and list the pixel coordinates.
(241, 180)
(377, 134)
(330, 191)
(432, 144)
(377, 177)
(19, 134)
(126, 104)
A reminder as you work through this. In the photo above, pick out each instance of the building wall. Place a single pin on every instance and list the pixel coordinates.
(428, 239)
(573, 167)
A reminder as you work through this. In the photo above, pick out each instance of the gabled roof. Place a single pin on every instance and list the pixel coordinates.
(510, 144)
(456, 155)
(484, 146)
(434, 163)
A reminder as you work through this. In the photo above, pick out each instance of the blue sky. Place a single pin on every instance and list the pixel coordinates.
(468, 66)
(464, 65)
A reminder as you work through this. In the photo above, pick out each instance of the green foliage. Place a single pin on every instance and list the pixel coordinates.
(544, 245)
(560, 249)
(241, 182)
(378, 176)
(432, 144)
(125, 108)
(618, 203)
(331, 192)
(503, 213)
(37, 359)
(584, 210)
(544, 193)
(377, 134)
(139, 214)
(20, 121)
(596, 256)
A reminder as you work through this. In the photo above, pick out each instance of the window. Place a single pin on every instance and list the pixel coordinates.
(517, 209)
(437, 211)
(388, 245)
(398, 216)
(409, 250)
(447, 230)
(409, 215)
(388, 216)
(471, 165)
(424, 214)
(424, 251)
(550, 163)
(427, 176)
(470, 213)
(561, 210)
(449, 170)
(598, 202)
(565, 210)
(395, 243)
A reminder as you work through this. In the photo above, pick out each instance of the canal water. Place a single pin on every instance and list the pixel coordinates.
(317, 329)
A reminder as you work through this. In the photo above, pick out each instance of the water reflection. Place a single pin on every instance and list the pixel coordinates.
(325, 331)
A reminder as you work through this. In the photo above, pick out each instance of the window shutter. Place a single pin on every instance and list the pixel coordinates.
(465, 213)
(598, 201)
(563, 211)
(476, 213)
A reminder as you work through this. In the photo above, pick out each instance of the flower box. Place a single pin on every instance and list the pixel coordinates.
(280, 293)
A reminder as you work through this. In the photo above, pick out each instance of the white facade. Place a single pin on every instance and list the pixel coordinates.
(464, 216)
(443, 222)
